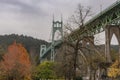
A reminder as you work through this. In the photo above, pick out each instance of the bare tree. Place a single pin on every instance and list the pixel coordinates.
(77, 20)
(64, 62)
(82, 14)
(75, 49)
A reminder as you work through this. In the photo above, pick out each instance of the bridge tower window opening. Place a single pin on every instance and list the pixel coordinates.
(57, 35)
(57, 26)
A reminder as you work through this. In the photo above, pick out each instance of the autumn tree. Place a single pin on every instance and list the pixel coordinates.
(15, 64)
(114, 70)
(2, 51)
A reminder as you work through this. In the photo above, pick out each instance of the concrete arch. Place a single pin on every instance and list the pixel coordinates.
(109, 31)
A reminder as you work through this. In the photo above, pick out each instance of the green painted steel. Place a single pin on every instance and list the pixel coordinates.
(42, 50)
(49, 48)
(57, 26)
(111, 15)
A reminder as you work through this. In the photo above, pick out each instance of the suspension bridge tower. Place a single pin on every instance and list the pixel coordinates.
(56, 26)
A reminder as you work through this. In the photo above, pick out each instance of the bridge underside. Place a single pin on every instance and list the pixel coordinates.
(108, 21)
(110, 16)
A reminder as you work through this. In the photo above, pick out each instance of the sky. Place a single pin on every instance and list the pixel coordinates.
(34, 17)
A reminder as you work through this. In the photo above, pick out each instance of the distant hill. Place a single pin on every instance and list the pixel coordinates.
(113, 47)
(31, 44)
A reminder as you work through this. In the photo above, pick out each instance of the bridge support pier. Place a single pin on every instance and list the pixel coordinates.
(109, 31)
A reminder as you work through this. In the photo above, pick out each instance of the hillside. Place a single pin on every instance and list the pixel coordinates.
(32, 45)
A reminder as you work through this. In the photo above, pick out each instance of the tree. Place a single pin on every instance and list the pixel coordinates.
(2, 51)
(114, 70)
(45, 70)
(78, 21)
(16, 64)
(64, 61)
(81, 15)
(75, 50)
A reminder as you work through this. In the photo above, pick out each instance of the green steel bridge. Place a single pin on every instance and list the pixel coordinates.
(109, 16)
(48, 50)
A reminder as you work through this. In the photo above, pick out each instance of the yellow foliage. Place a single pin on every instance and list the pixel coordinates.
(27, 77)
(115, 65)
(114, 70)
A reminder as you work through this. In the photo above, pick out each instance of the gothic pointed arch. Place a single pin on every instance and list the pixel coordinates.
(109, 31)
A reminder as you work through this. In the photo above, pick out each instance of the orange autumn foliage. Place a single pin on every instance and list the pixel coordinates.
(16, 59)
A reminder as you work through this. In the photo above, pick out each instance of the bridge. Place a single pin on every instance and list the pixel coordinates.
(107, 20)
(50, 51)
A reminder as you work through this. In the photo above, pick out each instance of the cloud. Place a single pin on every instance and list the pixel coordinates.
(34, 17)
(20, 6)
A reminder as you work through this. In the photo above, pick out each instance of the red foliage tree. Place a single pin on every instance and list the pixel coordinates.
(16, 64)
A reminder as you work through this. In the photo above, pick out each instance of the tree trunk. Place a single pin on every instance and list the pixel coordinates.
(89, 73)
(75, 59)
(94, 75)
(99, 73)
(74, 66)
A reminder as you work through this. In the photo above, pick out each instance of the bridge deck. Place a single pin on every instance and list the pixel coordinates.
(94, 25)
(97, 23)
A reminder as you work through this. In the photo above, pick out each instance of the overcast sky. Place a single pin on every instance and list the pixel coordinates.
(34, 17)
